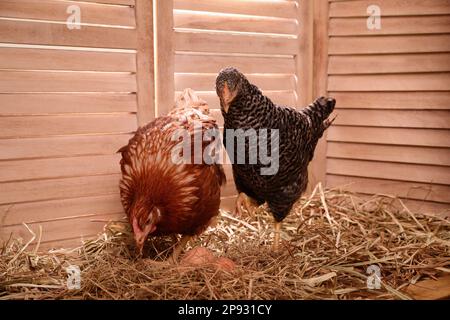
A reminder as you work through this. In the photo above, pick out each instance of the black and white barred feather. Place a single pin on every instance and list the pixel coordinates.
(245, 107)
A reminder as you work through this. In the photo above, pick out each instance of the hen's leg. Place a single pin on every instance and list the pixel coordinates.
(276, 239)
(248, 203)
(179, 247)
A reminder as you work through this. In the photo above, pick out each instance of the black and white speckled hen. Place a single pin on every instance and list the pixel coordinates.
(244, 107)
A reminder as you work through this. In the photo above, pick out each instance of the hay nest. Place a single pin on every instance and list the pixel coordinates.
(328, 243)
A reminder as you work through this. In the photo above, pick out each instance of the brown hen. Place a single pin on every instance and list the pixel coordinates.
(162, 196)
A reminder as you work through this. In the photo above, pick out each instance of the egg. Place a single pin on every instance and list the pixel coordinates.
(198, 256)
(225, 264)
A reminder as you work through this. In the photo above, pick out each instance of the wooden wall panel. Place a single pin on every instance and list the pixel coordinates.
(69, 99)
(393, 95)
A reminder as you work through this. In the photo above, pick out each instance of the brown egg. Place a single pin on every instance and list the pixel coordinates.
(225, 264)
(198, 256)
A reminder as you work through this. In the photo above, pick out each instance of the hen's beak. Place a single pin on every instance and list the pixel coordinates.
(141, 235)
(226, 96)
(140, 240)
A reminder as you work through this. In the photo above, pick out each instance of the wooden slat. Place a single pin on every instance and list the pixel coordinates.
(286, 98)
(426, 207)
(165, 56)
(190, 63)
(411, 190)
(434, 62)
(226, 22)
(207, 82)
(419, 155)
(228, 203)
(390, 8)
(439, 100)
(59, 209)
(385, 170)
(394, 118)
(69, 228)
(27, 32)
(45, 103)
(15, 170)
(59, 188)
(65, 243)
(414, 206)
(281, 9)
(305, 57)
(14, 127)
(48, 81)
(117, 2)
(398, 136)
(145, 61)
(390, 82)
(229, 189)
(57, 11)
(61, 146)
(232, 43)
(391, 26)
(48, 59)
(390, 44)
(316, 170)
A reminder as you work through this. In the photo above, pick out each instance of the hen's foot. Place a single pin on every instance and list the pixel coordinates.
(248, 203)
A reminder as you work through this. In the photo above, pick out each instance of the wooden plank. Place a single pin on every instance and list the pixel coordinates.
(17, 170)
(397, 136)
(286, 98)
(391, 26)
(68, 228)
(390, 44)
(430, 289)
(165, 56)
(426, 207)
(405, 154)
(49, 59)
(60, 103)
(403, 189)
(229, 189)
(25, 148)
(390, 82)
(390, 8)
(26, 191)
(228, 203)
(91, 13)
(304, 58)
(435, 119)
(207, 82)
(226, 22)
(416, 206)
(208, 63)
(35, 212)
(317, 169)
(386, 170)
(232, 43)
(66, 243)
(15, 127)
(28, 32)
(436, 100)
(50, 81)
(280, 9)
(117, 2)
(411, 63)
(145, 62)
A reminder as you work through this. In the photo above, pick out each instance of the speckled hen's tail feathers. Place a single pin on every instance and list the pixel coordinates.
(319, 111)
